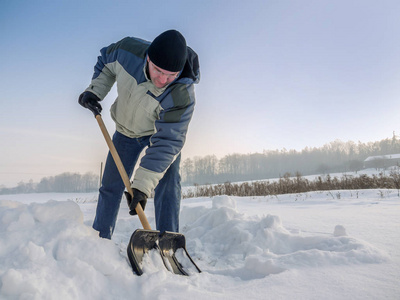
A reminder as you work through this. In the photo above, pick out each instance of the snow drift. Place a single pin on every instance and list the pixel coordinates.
(48, 251)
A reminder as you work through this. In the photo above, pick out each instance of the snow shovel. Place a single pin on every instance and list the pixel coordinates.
(168, 244)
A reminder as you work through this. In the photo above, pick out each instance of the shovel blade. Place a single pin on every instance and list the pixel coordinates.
(141, 242)
(176, 258)
(172, 248)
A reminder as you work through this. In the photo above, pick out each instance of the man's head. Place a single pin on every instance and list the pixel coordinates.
(168, 51)
(168, 54)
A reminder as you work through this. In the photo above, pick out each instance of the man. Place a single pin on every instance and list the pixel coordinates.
(155, 85)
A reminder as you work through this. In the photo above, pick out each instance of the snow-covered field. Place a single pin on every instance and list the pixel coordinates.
(319, 245)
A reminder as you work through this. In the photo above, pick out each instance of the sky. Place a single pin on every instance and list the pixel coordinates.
(274, 75)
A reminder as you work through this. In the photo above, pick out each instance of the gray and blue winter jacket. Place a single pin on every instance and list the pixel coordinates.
(142, 109)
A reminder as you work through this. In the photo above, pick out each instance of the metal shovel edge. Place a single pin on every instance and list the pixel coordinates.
(167, 244)
(170, 243)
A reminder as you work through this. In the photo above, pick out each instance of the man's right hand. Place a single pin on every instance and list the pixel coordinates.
(90, 101)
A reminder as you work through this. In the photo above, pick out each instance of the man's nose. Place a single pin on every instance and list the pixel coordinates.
(163, 78)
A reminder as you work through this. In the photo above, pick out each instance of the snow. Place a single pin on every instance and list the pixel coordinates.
(317, 245)
(389, 156)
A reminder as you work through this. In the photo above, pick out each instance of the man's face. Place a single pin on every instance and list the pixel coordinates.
(160, 77)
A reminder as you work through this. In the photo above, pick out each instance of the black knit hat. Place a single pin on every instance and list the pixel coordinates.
(168, 51)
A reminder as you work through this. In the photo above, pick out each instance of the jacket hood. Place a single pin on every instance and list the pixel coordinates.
(192, 68)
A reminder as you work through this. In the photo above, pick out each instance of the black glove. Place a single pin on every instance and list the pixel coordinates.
(90, 101)
(138, 197)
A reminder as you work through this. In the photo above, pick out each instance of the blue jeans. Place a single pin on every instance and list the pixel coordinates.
(167, 194)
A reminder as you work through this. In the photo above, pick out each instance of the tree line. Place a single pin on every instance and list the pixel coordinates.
(336, 156)
(63, 183)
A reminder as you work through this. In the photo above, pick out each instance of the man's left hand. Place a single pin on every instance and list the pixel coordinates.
(138, 197)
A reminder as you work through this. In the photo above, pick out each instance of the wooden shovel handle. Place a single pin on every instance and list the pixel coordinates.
(122, 171)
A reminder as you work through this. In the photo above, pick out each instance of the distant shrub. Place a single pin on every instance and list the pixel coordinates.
(297, 184)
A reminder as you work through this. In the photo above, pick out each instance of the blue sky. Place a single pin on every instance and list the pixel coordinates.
(274, 74)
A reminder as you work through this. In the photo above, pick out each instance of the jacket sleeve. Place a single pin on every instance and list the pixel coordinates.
(166, 144)
(104, 74)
